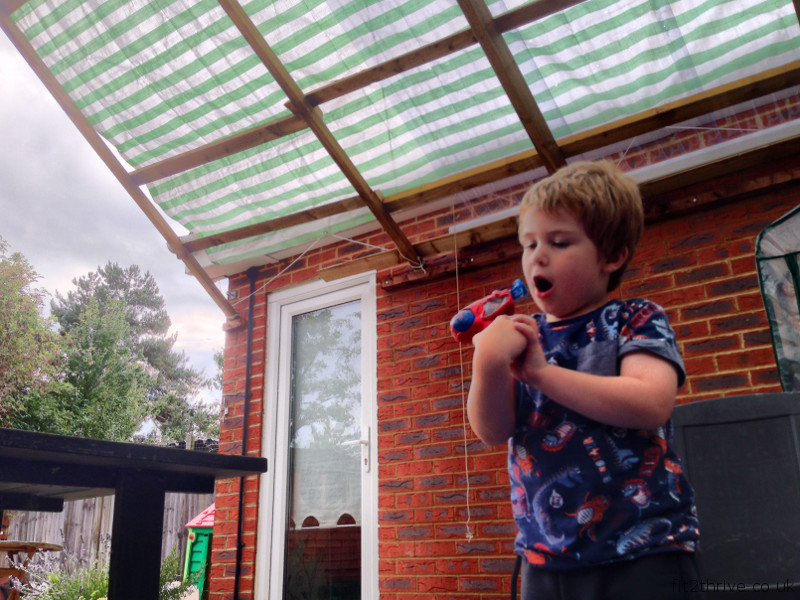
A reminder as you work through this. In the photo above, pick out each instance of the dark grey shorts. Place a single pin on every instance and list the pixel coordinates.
(667, 576)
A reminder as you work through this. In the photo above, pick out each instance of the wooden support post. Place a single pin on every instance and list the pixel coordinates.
(138, 506)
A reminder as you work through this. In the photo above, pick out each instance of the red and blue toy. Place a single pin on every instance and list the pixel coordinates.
(477, 316)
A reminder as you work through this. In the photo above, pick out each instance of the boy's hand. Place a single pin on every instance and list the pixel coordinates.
(527, 366)
(514, 344)
(490, 404)
(500, 340)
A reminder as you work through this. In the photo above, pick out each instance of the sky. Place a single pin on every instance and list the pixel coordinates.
(63, 210)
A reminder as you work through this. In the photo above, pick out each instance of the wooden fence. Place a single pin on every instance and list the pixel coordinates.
(83, 528)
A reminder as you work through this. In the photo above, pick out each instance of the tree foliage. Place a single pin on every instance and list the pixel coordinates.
(106, 382)
(171, 382)
(102, 364)
(28, 346)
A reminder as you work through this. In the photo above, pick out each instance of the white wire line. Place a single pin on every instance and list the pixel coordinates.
(282, 271)
(414, 265)
(417, 265)
(625, 153)
(346, 239)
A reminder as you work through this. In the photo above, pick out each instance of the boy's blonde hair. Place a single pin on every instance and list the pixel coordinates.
(605, 200)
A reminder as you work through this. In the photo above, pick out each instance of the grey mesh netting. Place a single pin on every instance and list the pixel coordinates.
(777, 250)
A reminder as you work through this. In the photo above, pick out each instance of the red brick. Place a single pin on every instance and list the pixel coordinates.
(434, 549)
(437, 584)
(415, 567)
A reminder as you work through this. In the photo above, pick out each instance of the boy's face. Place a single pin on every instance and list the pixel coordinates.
(563, 269)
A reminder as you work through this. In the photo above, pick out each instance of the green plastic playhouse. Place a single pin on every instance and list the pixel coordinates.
(198, 547)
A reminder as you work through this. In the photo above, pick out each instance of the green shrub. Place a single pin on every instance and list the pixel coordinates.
(171, 584)
(71, 579)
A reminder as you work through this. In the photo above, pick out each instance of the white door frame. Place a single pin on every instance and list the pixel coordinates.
(272, 499)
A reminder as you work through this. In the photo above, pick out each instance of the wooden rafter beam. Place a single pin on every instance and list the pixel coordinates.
(723, 96)
(513, 82)
(442, 188)
(8, 7)
(313, 117)
(29, 502)
(391, 68)
(87, 131)
(529, 13)
(446, 243)
(219, 149)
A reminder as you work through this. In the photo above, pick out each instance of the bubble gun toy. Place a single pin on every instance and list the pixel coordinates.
(477, 316)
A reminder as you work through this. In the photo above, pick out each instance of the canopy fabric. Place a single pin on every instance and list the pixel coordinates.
(332, 100)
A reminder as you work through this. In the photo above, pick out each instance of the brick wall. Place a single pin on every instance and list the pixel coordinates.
(702, 269)
(437, 481)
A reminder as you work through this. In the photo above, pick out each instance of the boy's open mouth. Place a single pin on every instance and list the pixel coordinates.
(542, 285)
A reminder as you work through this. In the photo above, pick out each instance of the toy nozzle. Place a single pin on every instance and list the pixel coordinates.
(518, 289)
(462, 321)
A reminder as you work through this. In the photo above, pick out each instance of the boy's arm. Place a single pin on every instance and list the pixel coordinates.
(491, 402)
(642, 396)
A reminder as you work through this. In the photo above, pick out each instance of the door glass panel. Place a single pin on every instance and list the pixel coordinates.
(323, 542)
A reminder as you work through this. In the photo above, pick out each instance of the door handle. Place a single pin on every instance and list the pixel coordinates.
(365, 450)
(356, 443)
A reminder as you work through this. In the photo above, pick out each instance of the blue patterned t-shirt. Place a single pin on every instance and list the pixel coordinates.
(584, 493)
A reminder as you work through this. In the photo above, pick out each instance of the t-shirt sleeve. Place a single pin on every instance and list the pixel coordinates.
(646, 327)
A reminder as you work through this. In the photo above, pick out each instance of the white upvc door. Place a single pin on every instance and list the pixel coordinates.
(318, 500)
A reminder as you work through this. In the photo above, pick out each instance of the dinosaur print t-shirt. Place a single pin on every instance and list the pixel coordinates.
(584, 493)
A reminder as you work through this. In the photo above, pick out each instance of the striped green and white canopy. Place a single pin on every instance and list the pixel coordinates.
(236, 115)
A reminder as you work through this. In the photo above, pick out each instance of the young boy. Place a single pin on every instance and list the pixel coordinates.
(583, 393)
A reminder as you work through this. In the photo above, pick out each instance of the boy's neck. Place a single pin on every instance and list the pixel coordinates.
(551, 318)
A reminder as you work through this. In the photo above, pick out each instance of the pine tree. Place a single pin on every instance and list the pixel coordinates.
(171, 383)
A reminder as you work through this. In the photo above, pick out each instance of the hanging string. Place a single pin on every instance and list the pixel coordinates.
(468, 525)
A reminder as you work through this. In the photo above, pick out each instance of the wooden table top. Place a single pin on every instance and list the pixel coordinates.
(28, 547)
(38, 471)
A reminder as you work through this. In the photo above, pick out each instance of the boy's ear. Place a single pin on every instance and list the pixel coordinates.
(617, 261)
